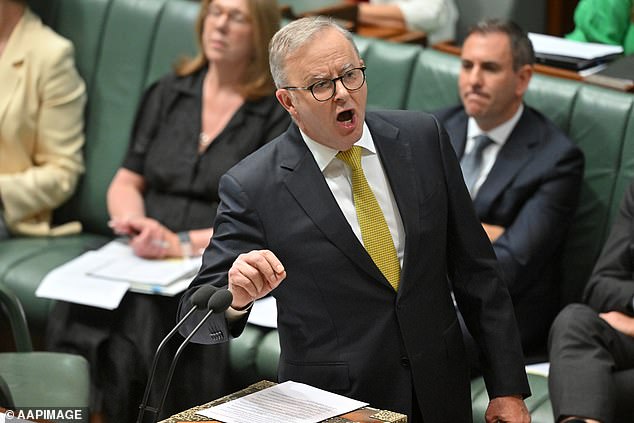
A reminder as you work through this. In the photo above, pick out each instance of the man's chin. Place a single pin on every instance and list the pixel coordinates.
(474, 112)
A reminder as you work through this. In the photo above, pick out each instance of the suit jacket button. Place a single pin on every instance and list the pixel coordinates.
(405, 362)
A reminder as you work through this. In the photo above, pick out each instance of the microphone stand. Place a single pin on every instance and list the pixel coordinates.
(175, 360)
(218, 303)
(200, 298)
(143, 406)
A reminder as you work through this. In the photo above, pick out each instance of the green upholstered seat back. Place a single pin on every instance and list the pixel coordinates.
(554, 97)
(389, 69)
(598, 123)
(434, 82)
(174, 38)
(538, 403)
(121, 47)
(625, 173)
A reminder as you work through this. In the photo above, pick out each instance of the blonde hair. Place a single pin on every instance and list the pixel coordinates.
(265, 21)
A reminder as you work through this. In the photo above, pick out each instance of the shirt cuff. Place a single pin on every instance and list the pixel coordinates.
(232, 314)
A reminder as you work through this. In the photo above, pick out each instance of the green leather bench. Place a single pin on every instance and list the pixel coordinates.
(123, 45)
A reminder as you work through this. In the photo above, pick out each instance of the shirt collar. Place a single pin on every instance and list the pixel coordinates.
(323, 154)
(500, 133)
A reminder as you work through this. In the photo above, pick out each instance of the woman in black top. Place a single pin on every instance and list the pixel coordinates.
(191, 127)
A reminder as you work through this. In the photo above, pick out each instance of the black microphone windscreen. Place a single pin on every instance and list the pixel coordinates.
(220, 300)
(201, 297)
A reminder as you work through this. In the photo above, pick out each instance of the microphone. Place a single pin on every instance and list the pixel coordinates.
(201, 298)
(218, 303)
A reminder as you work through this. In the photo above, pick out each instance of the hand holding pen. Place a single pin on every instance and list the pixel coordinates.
(147, 237)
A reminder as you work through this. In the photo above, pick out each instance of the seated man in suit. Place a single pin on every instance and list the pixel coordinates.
(591, 345)
(523, 173)
(352, 221)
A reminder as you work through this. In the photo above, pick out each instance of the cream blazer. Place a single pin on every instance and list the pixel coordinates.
(42, 100)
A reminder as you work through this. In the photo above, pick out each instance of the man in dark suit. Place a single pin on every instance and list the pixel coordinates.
(526, 187)
(591, 345)
(377, 323)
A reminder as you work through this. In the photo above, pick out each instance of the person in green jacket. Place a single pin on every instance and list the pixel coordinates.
(605, 21)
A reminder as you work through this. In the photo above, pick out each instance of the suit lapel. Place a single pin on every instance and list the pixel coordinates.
(456, 128)
(12, 63)
(309, 188)
(513, 156)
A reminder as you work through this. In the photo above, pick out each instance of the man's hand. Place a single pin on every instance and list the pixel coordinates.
(619, 321)
(509, 409)
(253, 275)
(493, 231)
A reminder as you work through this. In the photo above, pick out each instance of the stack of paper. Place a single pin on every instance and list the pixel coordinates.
(570, 54)
(288, 402)
(101, 278)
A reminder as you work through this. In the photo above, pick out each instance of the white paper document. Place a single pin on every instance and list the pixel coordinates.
(264, 313)
(288, 402)
(71, 282)
(101, 278)
(548, 44)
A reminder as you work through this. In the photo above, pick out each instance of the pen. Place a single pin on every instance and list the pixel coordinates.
(157, 242)
(160, 243)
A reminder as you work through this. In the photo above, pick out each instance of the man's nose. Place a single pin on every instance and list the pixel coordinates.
(475, 76)
(341, 92)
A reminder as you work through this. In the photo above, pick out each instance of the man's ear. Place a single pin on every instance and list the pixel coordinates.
(285, 97)
(524, 77)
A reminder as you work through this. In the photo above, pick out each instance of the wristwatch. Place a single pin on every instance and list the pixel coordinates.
(186, 244)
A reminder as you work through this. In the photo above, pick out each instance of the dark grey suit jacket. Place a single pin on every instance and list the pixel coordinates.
(532, 191)
(342, 327)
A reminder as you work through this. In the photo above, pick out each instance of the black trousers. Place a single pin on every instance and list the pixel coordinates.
(591, 367)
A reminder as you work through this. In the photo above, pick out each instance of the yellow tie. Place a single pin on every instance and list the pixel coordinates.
(374, 230)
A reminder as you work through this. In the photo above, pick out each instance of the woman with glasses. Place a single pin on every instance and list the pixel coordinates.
(191, 127)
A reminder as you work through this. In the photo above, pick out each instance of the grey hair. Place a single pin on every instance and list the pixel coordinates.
(295, 35)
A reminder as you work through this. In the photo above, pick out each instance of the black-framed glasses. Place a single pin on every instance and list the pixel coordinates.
(324, 89)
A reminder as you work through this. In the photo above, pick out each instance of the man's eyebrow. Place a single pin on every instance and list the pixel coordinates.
(323, 76)
(491, 64)
(346, 68)
(317, 76)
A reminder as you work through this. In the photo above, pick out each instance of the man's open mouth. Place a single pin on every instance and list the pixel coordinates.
(345, 116)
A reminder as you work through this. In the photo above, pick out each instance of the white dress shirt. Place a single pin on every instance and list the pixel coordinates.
(499, 135)
(435, 17)
(338, 177)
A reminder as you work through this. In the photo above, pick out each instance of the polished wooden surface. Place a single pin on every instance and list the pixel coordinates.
(539, 68)
(363, 415)
(393, 34)
(559, 16)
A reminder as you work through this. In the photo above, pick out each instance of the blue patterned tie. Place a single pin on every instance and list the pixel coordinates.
(471, 163)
